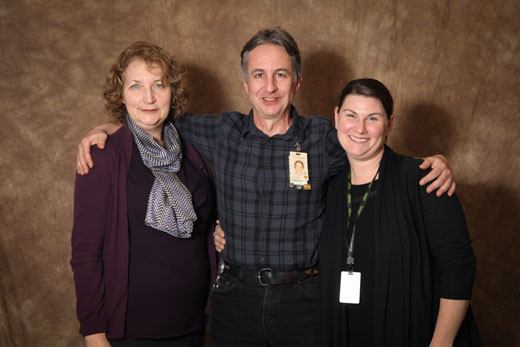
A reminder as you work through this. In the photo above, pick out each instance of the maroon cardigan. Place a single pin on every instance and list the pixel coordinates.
(100, 236)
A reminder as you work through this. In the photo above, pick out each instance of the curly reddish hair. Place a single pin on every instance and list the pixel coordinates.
(151, 54)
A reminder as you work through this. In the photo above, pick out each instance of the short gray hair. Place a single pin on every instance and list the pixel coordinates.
(276, 36)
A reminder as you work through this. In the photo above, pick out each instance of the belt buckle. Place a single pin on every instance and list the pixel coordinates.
(265, 270)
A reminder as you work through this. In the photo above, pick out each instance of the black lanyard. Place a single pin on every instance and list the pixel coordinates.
(350, 246)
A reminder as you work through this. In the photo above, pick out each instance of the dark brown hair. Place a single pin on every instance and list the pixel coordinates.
(368, 87)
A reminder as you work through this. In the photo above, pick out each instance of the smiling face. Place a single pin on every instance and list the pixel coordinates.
(271, 84)
(146, 97)
(362, 126)
(298, 167)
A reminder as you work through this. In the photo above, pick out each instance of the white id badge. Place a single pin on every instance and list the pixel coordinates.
(350, 287)
(298, 168)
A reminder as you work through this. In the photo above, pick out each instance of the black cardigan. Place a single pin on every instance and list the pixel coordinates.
(421, 253)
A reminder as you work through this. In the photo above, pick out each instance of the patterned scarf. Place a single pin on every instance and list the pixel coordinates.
(170, 208)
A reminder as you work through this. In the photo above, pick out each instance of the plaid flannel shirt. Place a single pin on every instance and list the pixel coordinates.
(267, 223)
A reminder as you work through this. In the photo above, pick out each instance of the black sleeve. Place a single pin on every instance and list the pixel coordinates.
(449, 244)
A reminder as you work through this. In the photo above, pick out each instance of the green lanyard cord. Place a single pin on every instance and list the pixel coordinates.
(350, 245)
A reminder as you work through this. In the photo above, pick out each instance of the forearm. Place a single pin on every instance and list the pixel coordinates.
(450, 317)
(200, 131)
(108, 128)
(97, 340)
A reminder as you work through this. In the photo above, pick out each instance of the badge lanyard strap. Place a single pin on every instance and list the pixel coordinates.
(350, 245)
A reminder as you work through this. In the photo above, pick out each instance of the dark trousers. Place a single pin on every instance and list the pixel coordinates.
(248, 314)
(191, 340)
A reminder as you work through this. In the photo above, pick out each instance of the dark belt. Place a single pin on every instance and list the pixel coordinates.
(268, 276)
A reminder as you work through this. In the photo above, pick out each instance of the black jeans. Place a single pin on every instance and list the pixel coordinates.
(248, 314)
(191, 340)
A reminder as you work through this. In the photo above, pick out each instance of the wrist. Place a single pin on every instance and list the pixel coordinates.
(439, 342)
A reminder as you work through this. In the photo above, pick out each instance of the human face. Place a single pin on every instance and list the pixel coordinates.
(298, 167)
(270, 84)
(146, 98)
(362, 127)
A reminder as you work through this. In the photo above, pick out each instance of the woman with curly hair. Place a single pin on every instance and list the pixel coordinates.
(143, 217)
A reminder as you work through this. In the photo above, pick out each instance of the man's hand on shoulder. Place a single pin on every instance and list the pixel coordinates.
(441, 175)
(97, 136)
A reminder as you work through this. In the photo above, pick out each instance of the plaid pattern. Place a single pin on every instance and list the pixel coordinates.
(267, 223)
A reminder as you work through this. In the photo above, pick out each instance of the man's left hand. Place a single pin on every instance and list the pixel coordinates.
(442, 174)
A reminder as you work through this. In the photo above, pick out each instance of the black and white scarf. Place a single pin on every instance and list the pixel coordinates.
(170, 208)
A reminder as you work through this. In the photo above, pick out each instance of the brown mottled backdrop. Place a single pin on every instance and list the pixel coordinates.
(453, 68)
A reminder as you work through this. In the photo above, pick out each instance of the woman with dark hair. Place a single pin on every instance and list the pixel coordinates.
(143, 217)
(396, 264)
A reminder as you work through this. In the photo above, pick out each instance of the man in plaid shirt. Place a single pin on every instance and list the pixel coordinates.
(268, 292)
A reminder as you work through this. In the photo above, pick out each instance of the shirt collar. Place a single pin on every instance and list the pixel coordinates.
(293, 133)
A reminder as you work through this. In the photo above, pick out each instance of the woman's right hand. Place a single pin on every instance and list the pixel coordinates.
(97, 340)
(220, 238)
(97, 136)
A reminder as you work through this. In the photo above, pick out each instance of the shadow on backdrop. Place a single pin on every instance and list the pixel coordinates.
(485, 208)
(325, 73)
(424, 129)
(204, 91)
